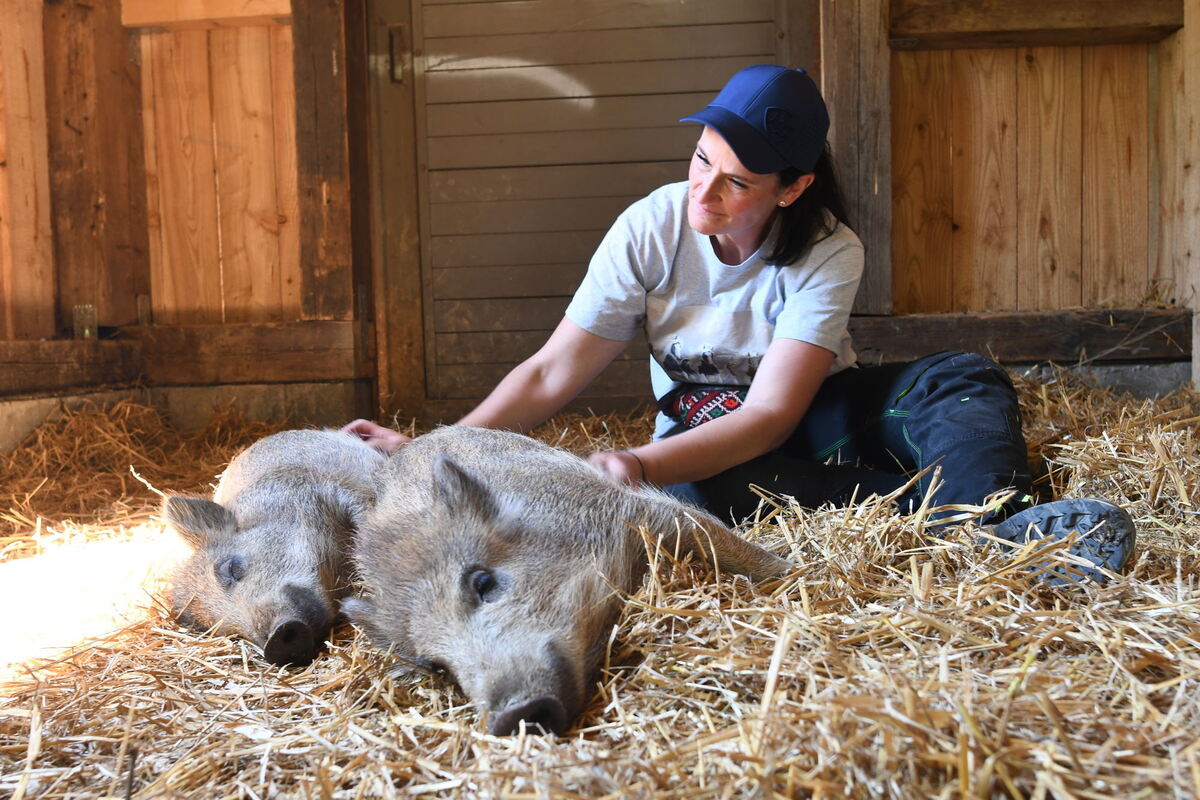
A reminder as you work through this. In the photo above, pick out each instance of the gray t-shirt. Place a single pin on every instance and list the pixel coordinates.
(706, 321)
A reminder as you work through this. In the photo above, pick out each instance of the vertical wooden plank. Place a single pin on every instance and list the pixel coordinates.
(1049, 178)
(396, 260)
(1187, 269)
(97, 167)
(799, 35)
(327, 282)
(286, 200)
(922, 191)
(245, 166)
(186, 285)
(1172, 153)
(840, 73)
(1115, 175)
(27, 280)
(874, 180)
(154, 234)
(985, 179)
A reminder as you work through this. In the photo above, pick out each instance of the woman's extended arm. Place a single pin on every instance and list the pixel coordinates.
(540, 386)
(785, 384)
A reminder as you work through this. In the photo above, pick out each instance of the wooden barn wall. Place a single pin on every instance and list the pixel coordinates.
(1037, 178)
(27, 279)
(220, 145)
(539, 122)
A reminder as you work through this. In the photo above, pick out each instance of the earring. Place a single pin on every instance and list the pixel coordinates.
(782, 204)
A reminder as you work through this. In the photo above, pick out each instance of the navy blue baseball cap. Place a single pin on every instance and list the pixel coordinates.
(773, 117)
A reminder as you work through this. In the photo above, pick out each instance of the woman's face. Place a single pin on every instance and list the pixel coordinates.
(730, 202)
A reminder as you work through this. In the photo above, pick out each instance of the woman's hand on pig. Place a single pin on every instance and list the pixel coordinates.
(622, 465)
(376, 435)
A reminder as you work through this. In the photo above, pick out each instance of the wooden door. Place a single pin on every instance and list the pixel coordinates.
(510, 134)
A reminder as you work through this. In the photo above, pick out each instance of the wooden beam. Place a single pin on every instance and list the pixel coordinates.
(1188, 141)
(396, 258)
(945, 24)
(1065, 337)
(52, 366)
(856, 83)
(179, 14)
(247, 353)
(27, 280)
(97, 162)
(323, 163)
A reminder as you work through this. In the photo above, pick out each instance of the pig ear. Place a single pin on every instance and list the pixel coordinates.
(701, 533)
(456, 488)
(197, 520)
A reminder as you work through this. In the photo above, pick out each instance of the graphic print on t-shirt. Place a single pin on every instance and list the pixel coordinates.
(707, 344)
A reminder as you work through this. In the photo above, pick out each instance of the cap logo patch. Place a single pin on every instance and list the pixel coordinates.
(779, 125)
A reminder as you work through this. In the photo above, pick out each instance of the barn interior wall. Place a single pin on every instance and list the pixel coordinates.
(219, 116)
(1038, 178)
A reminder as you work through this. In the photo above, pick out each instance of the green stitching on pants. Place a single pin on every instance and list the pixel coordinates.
(915, 449)
(833, 448)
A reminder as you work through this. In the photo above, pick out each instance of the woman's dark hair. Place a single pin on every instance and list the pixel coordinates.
(802, 224)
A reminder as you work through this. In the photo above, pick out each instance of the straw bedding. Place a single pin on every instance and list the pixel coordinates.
(892, 667)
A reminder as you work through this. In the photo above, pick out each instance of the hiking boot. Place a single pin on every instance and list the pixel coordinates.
(1104, 535)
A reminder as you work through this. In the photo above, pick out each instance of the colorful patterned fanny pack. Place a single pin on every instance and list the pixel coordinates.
(694, 405)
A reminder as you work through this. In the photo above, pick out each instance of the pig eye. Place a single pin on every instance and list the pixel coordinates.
(230, 570)
(484, 584)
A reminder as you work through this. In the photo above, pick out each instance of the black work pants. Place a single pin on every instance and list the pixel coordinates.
(869, 429)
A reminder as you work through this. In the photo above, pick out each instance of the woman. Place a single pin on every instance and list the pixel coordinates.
(742, 278)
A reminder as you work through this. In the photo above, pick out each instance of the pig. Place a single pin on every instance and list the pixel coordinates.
(502, 562)
(271, 551)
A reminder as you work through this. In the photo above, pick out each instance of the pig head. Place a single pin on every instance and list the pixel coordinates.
(503, 562)
(270, 551)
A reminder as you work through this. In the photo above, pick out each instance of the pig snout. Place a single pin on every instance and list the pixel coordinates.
(546, 698)
(299, 630)
(544, 714)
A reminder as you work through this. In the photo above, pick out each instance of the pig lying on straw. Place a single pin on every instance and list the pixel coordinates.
(502, 561)
(270, 555)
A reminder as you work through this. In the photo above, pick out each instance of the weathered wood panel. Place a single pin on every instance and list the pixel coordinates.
(1050, 167)
(247, 353)
(97, 167)
(27, 279)
(520, 82)
(498, 314)
(218, 108)
(1115, 175)
(518, 280)
(564, 181)
(560, 147)
(511, 348)
(922, 190)
(554, 247)
(243, 123)
(476, 380)
(31, 367)
(1062, 336)
(287, 201)
(549, 16)
(1049, 178)
(515, 216)
(1009, 23)
(568, 114)
(323, 164)
(601, 46)
(984, 176)
(185, 277)
(182, 14)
